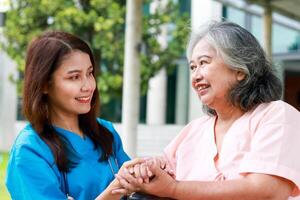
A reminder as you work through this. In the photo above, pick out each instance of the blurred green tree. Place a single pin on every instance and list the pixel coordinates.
(101, 23)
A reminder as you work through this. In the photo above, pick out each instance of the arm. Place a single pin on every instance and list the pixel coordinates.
(31, 176)
(251, 187)
(108, 193)
(116, 189)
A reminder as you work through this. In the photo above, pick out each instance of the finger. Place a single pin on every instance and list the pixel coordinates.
(149, 172)
(169, 170)
(133, 162)
(131, 170)
(125, 174)
(121, 191)
(162, 162)
(123, 182)
(144, 174)
(155, 168)
(143, 171)
(137, 173)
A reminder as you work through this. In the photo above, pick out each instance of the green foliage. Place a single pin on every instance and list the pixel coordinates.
(102, 24)
(3, 163)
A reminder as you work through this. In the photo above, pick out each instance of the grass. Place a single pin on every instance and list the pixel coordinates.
(3, 163)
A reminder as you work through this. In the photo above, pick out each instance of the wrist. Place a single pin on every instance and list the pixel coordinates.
(173, 189)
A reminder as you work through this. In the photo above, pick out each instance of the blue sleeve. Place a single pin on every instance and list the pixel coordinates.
(119, 152)
(30, 176)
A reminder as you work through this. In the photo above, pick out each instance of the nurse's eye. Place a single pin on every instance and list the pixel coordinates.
(75, 77)
(90, 73)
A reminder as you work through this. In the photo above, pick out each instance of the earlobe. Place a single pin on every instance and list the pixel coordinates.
(240, 76)
(45, 89)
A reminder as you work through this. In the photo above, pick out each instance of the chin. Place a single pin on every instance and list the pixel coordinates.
(204, 101)
(83, 111)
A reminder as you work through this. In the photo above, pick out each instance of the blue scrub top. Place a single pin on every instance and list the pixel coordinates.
(33, 174)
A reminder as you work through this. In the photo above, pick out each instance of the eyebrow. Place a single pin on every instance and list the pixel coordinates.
(78, 71)
(199, 57)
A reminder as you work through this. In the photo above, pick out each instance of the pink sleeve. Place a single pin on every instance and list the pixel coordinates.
(170, 152)
(275, 144)
(171, 149)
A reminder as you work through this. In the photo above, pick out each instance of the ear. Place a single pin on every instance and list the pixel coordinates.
(45, 88)
(240, 75)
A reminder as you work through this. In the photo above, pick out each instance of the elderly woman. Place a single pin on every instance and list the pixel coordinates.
(246, 146)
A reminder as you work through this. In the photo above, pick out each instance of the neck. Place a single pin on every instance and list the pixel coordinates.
(229, 113)
(68, 122)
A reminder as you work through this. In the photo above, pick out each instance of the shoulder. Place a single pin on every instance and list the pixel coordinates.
(197, 125)
(276, 112)
(108, 125)
(28, 137)
(192, 129)
(29, 143)
(200, 121)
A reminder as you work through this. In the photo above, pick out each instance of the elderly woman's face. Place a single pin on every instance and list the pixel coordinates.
(211, 77)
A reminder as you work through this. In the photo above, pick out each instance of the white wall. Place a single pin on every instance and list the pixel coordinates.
(8, 101)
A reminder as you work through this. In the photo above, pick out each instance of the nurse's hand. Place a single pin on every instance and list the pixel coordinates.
(161, 183)
(126, 176)
(115, 190)
(108, 195)
(133, 173)
(142, 172)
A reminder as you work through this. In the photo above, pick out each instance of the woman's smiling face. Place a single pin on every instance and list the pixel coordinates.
(212, 79)
(72, 85)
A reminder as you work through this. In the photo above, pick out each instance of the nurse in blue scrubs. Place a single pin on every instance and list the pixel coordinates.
(65, 152)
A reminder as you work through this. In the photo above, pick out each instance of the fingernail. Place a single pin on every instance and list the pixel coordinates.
(140, 180)
(131, 170)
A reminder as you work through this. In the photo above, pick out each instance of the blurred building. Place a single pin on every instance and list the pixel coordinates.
(170, 102)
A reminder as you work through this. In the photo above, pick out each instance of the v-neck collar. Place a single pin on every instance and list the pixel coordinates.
(82, 145)
(217, 154)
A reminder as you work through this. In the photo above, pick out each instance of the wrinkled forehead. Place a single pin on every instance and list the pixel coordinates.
(203, 48)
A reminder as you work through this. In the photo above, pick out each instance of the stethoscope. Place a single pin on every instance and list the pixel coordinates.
(66, 183)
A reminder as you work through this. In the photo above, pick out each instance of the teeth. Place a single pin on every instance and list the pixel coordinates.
(202, 87)
(83, 98)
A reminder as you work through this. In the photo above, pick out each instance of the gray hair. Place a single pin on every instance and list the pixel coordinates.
(240, 50)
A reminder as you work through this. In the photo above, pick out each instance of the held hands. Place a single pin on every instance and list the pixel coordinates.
(115, 190)
(150, 175)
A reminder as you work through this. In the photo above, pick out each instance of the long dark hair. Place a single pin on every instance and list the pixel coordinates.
(44, 55)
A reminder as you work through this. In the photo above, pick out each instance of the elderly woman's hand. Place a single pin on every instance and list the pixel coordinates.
(127, 181)
(161, 184)
(135, 175)
(141, 171)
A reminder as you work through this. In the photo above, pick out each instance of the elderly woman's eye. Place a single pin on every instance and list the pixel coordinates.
(192, 67)
(202, 62)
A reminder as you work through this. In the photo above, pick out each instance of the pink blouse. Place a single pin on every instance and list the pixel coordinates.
(265, 140)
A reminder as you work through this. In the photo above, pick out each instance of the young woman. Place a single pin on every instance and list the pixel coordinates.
(65, 151)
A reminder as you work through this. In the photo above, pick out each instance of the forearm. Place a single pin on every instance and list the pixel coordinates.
(107, 195)
(243, 188)
(226, 190)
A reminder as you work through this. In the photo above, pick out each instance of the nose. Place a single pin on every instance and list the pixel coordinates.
(197, 75)
(87, 85)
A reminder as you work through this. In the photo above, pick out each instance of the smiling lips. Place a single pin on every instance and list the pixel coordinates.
(83, 99)
(201, 88)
